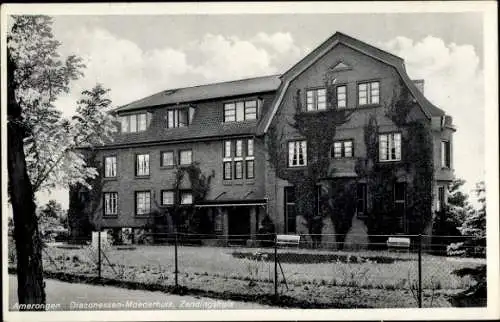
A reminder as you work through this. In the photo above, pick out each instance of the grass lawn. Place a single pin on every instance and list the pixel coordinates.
(356, 279)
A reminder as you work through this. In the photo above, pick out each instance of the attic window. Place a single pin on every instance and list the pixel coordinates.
(135, 122)
(179, 117)
(240, 111)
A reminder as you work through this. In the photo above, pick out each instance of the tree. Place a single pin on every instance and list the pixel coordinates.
(41, 144)
(474, 228)
(447, 220)
(35, 76)
(49, 217)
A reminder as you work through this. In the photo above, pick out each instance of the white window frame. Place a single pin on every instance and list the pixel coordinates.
(444, 151)
(186, 195)
(313, 102)
(341, 97)
(389, 144)
(110, 203)
(163, 153)
(171, 198)
(142, 166)
(342, 145)
(134, 123)
(243, 110)
(181, 152)
(110, 166)
(142, 202)
(174, 117)
(295, 149)
(371, 93)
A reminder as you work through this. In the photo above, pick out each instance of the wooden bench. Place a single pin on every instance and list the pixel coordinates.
(287, 240)
(398, 243)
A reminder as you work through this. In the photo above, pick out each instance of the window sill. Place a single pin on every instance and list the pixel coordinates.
(110, 216)
(301, 167)
(250, 181)
(238, 182)
(227, 182)
(446, 168)
(368, 106)
(142, 215)
(143, 177)
(185, 165)
(388, 161)
(347, 159)
(110, 178)
(167, 167)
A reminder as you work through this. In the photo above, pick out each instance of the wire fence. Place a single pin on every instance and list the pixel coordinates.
(311, 271)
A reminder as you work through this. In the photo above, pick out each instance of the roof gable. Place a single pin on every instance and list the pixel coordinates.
(339, 38)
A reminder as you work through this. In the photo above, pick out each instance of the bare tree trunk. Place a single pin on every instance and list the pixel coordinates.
(28, 244)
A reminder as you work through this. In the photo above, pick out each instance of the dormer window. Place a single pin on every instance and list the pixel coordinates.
(179, 117)
(240, 111)
(135, 122)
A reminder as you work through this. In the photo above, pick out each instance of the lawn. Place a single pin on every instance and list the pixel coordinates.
(353, 279)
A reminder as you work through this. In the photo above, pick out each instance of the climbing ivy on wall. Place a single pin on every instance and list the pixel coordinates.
(338, 199)
(184, 218)
(416, 167)
(318, 129)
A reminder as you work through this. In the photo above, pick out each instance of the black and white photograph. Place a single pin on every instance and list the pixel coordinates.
(250, 161)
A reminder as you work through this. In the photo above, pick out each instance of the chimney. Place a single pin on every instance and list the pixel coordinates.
(420, 84)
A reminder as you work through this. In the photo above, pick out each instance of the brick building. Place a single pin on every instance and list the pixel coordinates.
(223, 127)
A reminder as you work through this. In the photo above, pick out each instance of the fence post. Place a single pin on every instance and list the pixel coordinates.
(99, 254)
(275, 266)
(176, 262)
(420, 270)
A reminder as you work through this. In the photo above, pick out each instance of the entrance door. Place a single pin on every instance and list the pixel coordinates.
(238, 224)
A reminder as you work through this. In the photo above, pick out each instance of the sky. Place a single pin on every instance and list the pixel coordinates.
(136, 56)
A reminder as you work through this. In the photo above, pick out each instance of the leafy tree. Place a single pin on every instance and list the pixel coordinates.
(474, 228)
(36, 75)
(41, 143)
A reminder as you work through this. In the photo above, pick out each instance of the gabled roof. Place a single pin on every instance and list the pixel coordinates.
(427, 107)
(206, 92)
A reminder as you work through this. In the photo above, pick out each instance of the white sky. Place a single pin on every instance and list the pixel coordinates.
(136, 56)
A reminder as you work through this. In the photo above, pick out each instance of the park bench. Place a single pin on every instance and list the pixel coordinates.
(287, 240)
(398, 243)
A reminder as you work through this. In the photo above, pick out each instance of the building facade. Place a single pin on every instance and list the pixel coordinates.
(224, 129)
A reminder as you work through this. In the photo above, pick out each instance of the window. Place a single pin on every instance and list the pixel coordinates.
(186, 198)
(167, 197)
(250, 169)
(361, 199)
(110, 167)
(368, 93)
(342, 149)
(250, 110)
(441, 198)
(239, 148)
(249, 160)
(399, 204)
(250, 148)
(316, 99)
(178, 117)
(142, 202)
(238, 169)
(110, 203)
(297, 153)
(390, 147)
(227, 149)
(241, 160)
(167, 159)
(135, 122)
(228, 173)
(290, 214)
(445, 154)
(185, 157)
(142, 165)
(240, 111)
(341, 96)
